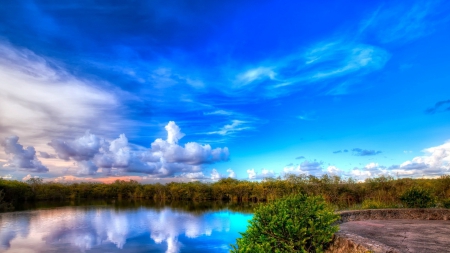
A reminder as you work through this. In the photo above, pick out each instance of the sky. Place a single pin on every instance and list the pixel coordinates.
(160, 91)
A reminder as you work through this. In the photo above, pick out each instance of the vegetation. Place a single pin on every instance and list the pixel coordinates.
(297, 223)
(381, 192)
(4, 206)
(417, 197)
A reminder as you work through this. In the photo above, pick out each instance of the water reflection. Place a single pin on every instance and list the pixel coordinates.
(111, 229)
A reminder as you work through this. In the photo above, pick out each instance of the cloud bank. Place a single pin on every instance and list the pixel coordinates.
(163, 159)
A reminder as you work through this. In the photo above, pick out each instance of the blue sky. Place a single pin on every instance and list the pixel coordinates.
(200, 90)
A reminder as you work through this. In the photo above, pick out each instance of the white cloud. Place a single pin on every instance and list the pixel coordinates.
(255, 74)
(436, 161)
(231, 173)
(165, 157)
(306, 167)
(265, 173)
(60, 103)
(174, 133)
(330, 59)
(333, 170)
(215, 175)
(235, 126)
(28, 177)
(371, 166)
(343, 58)
(20, 158)
(81, 149)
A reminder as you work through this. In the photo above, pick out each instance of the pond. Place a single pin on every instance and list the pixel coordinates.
(124, 227)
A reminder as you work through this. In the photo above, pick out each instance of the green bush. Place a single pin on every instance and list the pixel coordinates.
(417, 197)
(446, 203)
(296, 223)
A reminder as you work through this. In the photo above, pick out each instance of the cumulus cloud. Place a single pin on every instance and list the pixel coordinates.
(337, 152)
(441, 106)
(163, 159)
(231, 173)
(306, 167)
(333, 170)
(81, 149)
(252, 174)
(214, 176)
(364, 152)
(20, 158)
(436, 161)
(300, 157)
(369, 170)
(28, 177)
(46, 155)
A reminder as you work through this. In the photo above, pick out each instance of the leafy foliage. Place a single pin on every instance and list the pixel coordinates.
(297, 223)
(446, 203)
(417, 197)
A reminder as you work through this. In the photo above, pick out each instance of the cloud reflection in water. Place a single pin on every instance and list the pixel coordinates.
(140, 230)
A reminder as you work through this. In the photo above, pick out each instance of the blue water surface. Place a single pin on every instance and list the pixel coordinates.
(112, 229)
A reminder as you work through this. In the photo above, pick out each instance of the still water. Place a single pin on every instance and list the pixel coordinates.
(118, 228)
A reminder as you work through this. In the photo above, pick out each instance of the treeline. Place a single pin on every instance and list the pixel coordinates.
(380, 192)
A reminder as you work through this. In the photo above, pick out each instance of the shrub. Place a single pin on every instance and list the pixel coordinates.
(446, 203)
(417, 197)
(297, 223)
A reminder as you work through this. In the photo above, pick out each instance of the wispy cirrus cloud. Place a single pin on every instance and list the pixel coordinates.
(233, 128)
(61, 103)
(412, 20)
(322, 61)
